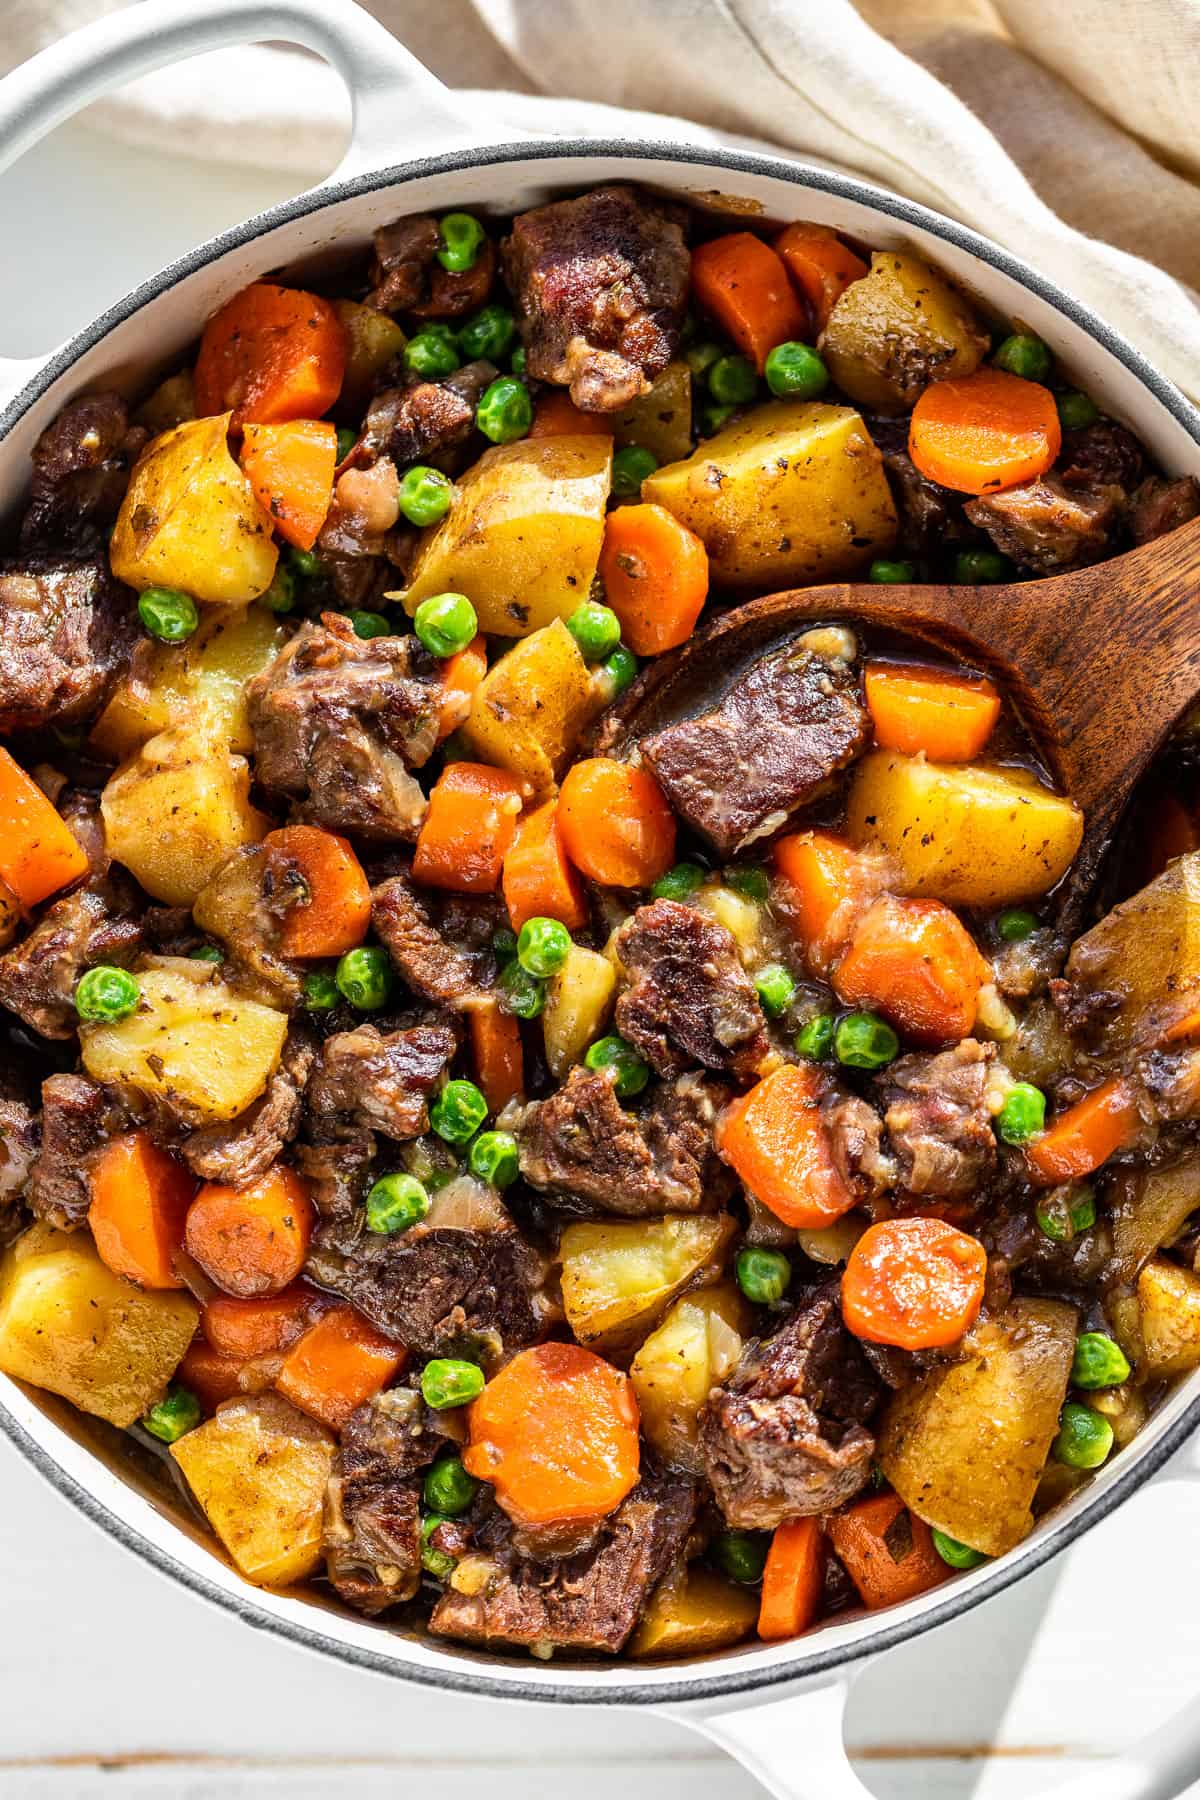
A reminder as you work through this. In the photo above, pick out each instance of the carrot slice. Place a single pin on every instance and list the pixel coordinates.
(615, 822)
(537, 880)
(777, 1143)
(339, 1362)
(461, 674)
(792, 1579)
(985, 431)
(913, 709)
(556, 1433)
(468, 829)
(820, 265)
(245, 1328)
(829, 885)
(918, 965)
(655, 575)
(556, 415)
(914, 1282)
(38, 851)
(140, 1198)
(1086, 1135)
(252, 1240)
(887, 1551)
(332, 908)
(213, 1377)
(270, 354)
(499, 1056)
(742, 284)
(290, 467)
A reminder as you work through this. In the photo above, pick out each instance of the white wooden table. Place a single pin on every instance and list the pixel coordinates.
(112, 1682)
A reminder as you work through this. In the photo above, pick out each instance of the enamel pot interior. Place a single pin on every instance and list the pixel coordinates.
(145, 336)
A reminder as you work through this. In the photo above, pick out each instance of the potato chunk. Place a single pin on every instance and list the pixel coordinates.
(693, 1350)
(694, 1609)
(189, 520)
(259, 1470)
(1169, 1304)
(899, 328)
(1149, 1208)
(192, 1041)
(577, 1003)
(969, 834)
(176, 810)
(660, 420)
(964, 1444)
(529, 709)
(69, 1324)
(619, 1275)
(1147, 950)
(372, 340)
(523, 534)
(792, 492)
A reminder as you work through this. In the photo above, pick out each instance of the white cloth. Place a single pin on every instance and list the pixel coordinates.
(1068, 130)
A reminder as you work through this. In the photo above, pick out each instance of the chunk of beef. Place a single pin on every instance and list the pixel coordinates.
(1044, 525)
(372, 1527)
(407, 277)
(930, 514)
(80, 471)
(339, 1170)
(1160, 505)
(590, 1601)
(938, 1121)
(19, 1139)
(338, 722)
(1103, 454)
(737, 773)
(240, 1152)
(689, 999)
(1171, 1079)
(599, 285)
(66, 632)
(787, 1435)
(448, 973)
(78, 1118)
(380, 1081)
(427, 421)
(1024, 968)
(584, 1150)
(856, 1139)
(95, 924)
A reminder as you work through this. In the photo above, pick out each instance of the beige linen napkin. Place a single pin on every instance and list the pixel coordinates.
(1068, 130)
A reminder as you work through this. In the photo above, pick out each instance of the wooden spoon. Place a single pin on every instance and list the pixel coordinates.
(1100, 663)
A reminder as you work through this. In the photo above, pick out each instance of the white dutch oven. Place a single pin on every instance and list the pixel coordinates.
(777, 1707)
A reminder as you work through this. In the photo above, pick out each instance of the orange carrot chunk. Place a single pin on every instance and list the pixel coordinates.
(1086, 1135)
(914, 709)
(140, 1199)
(829, 885)
(270, 354)
(556, 1433)
(776, 1141)
(743, 285)
(252, 1240)
(615, 822)
(332, 896)
(887, 1551)
(460, 674)
(913, 1282)
(537, 880)
(468, 829)
(820, 265)
(38, 852)
(655, 575)
(339, 1362)
(290, 467)
(556, 415)
(499, 1056)
(792, 1579)
(985, 431)
(917, 964)
(245, 1328)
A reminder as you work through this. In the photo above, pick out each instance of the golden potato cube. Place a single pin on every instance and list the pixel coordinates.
(67, 1323)
(899, 328)
(259, 1469)
(661, 420)
(529, 709)
(577, 1003)
(693, 1609)
(372, 341)
(1149, 1208)
(1147, 950)
(172, 403)
(696, 1346)
(619, 1275)
(522, 537)
(1169, 1304)
(792, 492)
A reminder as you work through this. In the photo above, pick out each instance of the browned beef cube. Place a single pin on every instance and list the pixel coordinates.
(66, 632)
(689, 999)
(938, 1121)
(372, 1529)
(1044, 525)
(1160, 506)
(379, 1081)
(78, 1119)
(95, 924)
(444, 965)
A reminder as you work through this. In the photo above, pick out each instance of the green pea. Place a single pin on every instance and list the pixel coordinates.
(711, 417)
(448, 1489)
(280, 597)
(776, 989)
(750, 880)
(168, 614)
(106, 994)
(505, 412)
(678, 882)
(977, 568)
(1075, 410)
(815, 1039)
(883, 569)
(320, 991)
(488, 335)
(462, 238)
(862, 1040)
(795, 372)
(1061, 1216)
(701, 357)
(208, 953)
(369, 624)
(504, 943)
(305, 563)
(173, 1417)
(1024, 355)
(493, 1157)
(445, 624)
(596, 629)
(458, 1112)
(613, 1055)
(431, 354)
(438, 1563)
(543, 946)
(959, 1556)
(364, 977)
(1085, 1437)
(425, 495)
(518, 361)
(631, 466)
(621, 669)
(520, 994)
(1023, 1114)
(1099, 1361)
(347, 437)
(395, 1202)
(1016, 924)
(447, 1381)
(764, 1276)
(742, 1555)
(732, 380)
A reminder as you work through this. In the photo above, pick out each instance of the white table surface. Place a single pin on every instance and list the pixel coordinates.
(113, 1682)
